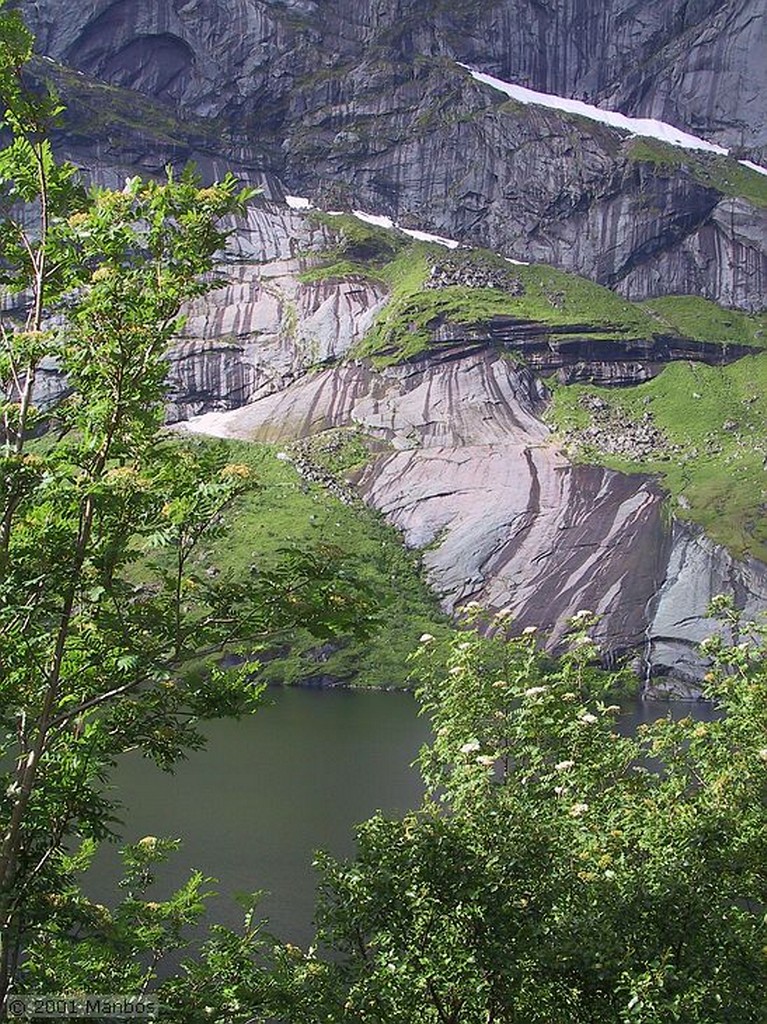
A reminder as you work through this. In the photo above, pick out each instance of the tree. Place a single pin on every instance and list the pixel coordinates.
(559, 870)
(112, 633)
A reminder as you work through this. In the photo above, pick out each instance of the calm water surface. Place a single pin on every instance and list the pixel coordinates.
(267, 792)
(270, 790)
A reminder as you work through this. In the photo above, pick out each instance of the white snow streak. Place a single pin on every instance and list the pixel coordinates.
(374, 219)
(642, 126)
(753, 167)
(424, 236)
(379, 221)
(419, 236)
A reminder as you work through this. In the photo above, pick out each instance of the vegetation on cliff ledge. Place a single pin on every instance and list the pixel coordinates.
(714, 421)
(480, 285)
(692, 316)
(419, 304)
(722, 173)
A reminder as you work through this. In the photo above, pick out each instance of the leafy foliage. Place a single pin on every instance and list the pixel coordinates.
(559, 869)
(112, 636)
(286, 512)
(86, 946)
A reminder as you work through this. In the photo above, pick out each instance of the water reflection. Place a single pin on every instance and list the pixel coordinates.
(640, 712)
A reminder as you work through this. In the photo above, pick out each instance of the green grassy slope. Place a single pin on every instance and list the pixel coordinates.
(712, 422)
(537, 292)
(715, 423)
(286, 511)
(694, 317)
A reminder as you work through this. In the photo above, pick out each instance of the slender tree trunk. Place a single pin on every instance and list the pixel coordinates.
(11, 844)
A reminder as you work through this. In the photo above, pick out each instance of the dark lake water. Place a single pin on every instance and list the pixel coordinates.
(270, 790)
(267, 792)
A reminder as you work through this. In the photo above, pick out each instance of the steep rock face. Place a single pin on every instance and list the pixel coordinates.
(265, 327)
(699, 64)
(725, 259)
(472, 480)
(539, 185)
(697, 571)
(516, 526)
(112, 133)
(712, 77)
(261, 332)
(362, 104)
(204, 55)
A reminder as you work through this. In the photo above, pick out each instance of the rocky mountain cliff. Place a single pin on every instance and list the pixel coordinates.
(365, 105)
(323, 325)
(697, 63)
(465, 467)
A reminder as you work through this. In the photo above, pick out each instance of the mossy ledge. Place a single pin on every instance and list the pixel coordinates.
(437, 296)
(722, 173)
(709, 426)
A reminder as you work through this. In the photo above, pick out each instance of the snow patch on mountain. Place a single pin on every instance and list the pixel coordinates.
(381, 221)
(643, 126)
(420, 236)
(424, 236)
(753, 167)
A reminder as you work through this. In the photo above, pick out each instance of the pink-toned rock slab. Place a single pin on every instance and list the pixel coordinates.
(517, 526)
(474, 480)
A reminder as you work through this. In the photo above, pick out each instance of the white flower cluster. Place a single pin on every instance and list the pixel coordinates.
(535, 691)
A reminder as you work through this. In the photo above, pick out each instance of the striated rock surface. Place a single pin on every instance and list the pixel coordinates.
(516, 526)
(697, 571)
(260, 332)
(362, 104)
(724, 259)
(700, 64)
(269, 323)
(575, 355)
(265, 326)
(501, 517)
(711, 75)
